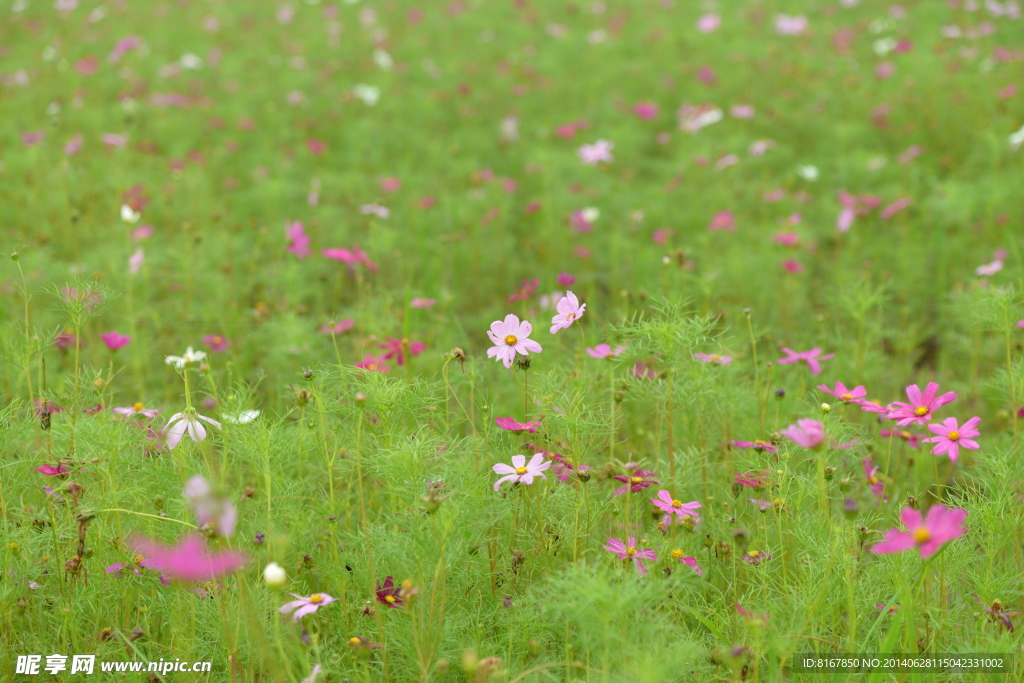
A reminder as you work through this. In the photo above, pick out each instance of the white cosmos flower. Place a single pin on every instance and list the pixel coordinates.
(189, 356)
(187, 421)
(244, 417)
(807, 172)
(190, 61)
(367, 94)
(129, 215)
(1017, 139)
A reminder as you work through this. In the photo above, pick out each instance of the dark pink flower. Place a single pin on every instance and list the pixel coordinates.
(927, 535)
(723, 220)
(951, 437)
(660, 235)
(53, 470)
(635, 481)
(894, 208)
(388, 594)
(298, 240)
(190, 560)
(921, 405)
(791, 266)
(32, 138)
(390, 184)
(115, 340)
(396, 349)
(812, 358)
(64, 340)
(629, 551)
(517, 427)
(788, 239)
(645, 110)
(337, 327)
(565, 280)
(316, 146)
(876, 486)
(350, 257)
(373, 363)
(911, 439)
(420, 302)
(525, 290)
(755, 480)
(757, 444)
(216, 342)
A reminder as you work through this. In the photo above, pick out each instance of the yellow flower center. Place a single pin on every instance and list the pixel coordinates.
(637, 480)
(921, 411)
(677, 503)
(371, 366)
(921, 535)
(511, 340)
(754, 554)
(354, 641)
(846, 397)
(521, 470)
(872, 479)
(316, 599)
(138, 559)
(777, 502)
(758, 443)
(389, 598)
(218, 340)
(570, 316)
(953, 436)
(715, 356)
(137, 407)
(905, 435)
(677, 554)
(631, 551)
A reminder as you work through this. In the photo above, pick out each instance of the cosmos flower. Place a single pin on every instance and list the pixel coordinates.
(511, 337)
(690, 562)
(713, 358)
(921, 405)
(604, 351)
(525, 290)
(303, 606)
(596, 153)
(569, 311)
(136, 410)
(812, 358)
(670, 506)
(350, 257)
(565, 280)
(420, 302)
(136, 261)
(216, 342)
(337, 327)
(242, 418)
(388, 594)
(517, 427)
(941, 526)
(190, 560)
(876, 486)
(635, 481)
(215, 514)
(843, 394)
(723, 220)
(373, 363)
(951, 437)
(629, 551)
(396, 349)
(520, 471)
(115, 340)
(756, 445)
(187, 421)
(190, 356)
(911, 439)
(137, 562)
(806, 433)
(298, 240)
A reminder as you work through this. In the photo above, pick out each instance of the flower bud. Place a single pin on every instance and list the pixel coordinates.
(780, 394)
(844, 484)
(850, 508)
(829, 473)
(360, 398)
(308, 375)
(826, 408)
(274, 575)
(14, 256)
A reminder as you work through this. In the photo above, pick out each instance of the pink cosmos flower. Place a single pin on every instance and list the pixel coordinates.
(373, 363)
(189, 560)
(791, 266)
(596, 153)
(921, 405)
(812, 358)
(113, 140)
(396, 349)
(723, 220)
(74, 145)
(390, 184)
(742, 111)
(525, 290)
(636, 481)
(989, 269)
(189, 422)
(670, 506)
(216, 342)
(884, 71)
(298, 240)
(603, 351)
(136, 410)
(642, 369)
(1020, 324)
(115, 340)
(912, 440)
(660, 235)
(787, 239)
(32, 138)
(629, 551)
(303, 606)
(517, 427)
(123, 46)
(843, 394)
(759, 147)
(910, 154)
(350, 257)
(339, 327)
(511, 337)
(806, 433)
(713, 358)
(690, 562)
(520, 471)
(215, 515)
(894, 208)
(752, 618)
(756, 445)
(565, 280)
(142, 232)
(583, 219)
(136, 261)
(419, 302)
(709, 23)
(52, 470)
(312, 144)
(876, 486)
(952, 437)
(116, 568)
(569, 311)
(645, 110)
(755, 480)
(786, 25)
(927, 535)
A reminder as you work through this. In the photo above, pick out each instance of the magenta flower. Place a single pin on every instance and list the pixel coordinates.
(509, 338)
(756, 557)
(844, 394)
(216, 342)
(215, 515)
(303, 606)
(569, 311)
(596, 153)
(420, 302)
(643, 369)
(520, 471)
(525, 291)
(911, 439)
(723, 220)
(113, 140)
(337, 327)
(786, 239)
(32, 138)
(64, 340)
(690, 562)
(806, 433)
(136, 410)
(566, 280)
(894, 208)
(952, 437)
(756, 445)
(73, 145)
(628, 551)
(142, 232)
(187, 421)
(517, 427)
(350, 257)
(709, 23)
(812, 358)
(635, 481)
(390, 184)
(388, 594)
(921, 405)
(670, 506)
(395, 348)
(645, 110)
(139, 561)
(876, 486)
(927, 535)
(373, 363)
(115, 340)
(755, 480)
(792, 266)
(602, 351)
(713, 358)
(298, 240)
(189, 560)
(52, 470)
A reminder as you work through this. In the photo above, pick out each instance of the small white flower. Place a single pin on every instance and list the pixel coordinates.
(383, 60)
(274, 575)
(807, 172)
(1017, 139)
(190, 61)
(189, 356)
(187, 421)
(884, 46)
(367, 94)
(129, 215)
(242, 418)
(590, 214)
